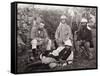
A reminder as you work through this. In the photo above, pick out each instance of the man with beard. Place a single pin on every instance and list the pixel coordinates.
(84, 36)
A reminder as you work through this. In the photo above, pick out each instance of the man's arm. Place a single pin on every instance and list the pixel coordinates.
(57, 32)
(79, 33)
(46, 34)
(68, 33)
(33, 31)
(89, 36)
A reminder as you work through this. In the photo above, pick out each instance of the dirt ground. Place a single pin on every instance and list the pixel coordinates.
(78, 63)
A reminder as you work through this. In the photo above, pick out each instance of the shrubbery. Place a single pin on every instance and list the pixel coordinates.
(51, 20)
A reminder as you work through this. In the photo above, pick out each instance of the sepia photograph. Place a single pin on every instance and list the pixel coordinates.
(54, 37)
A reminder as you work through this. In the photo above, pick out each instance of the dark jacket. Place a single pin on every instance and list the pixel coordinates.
(85, 34)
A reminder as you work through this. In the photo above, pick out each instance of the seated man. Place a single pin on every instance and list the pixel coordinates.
(84, 36)
(39, 37)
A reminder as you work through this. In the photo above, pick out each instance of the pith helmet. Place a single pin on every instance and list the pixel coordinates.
(63, 17)
(84, 20)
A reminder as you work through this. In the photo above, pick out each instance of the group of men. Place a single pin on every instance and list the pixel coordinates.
(63, 38)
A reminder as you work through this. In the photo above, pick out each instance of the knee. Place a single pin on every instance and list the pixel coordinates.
(87, 44)
(49, 42)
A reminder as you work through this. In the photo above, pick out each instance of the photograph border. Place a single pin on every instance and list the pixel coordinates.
(14, 35)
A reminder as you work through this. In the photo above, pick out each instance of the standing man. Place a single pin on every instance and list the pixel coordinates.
(63, 31)
(63, 37)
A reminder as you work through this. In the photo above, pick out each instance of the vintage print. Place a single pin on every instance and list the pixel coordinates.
(55, 38)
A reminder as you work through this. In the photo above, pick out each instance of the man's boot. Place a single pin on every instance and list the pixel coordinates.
(34, 53)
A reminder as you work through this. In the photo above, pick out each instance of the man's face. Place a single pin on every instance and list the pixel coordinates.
(63, 20)
(41, 26)
(83, 24)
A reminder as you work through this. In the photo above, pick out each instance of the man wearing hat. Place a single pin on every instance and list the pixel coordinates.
(59, 57)
(63, 37)
(63, 31)
(84, 35)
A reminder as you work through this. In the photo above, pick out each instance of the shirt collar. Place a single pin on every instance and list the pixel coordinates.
(88, 27)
